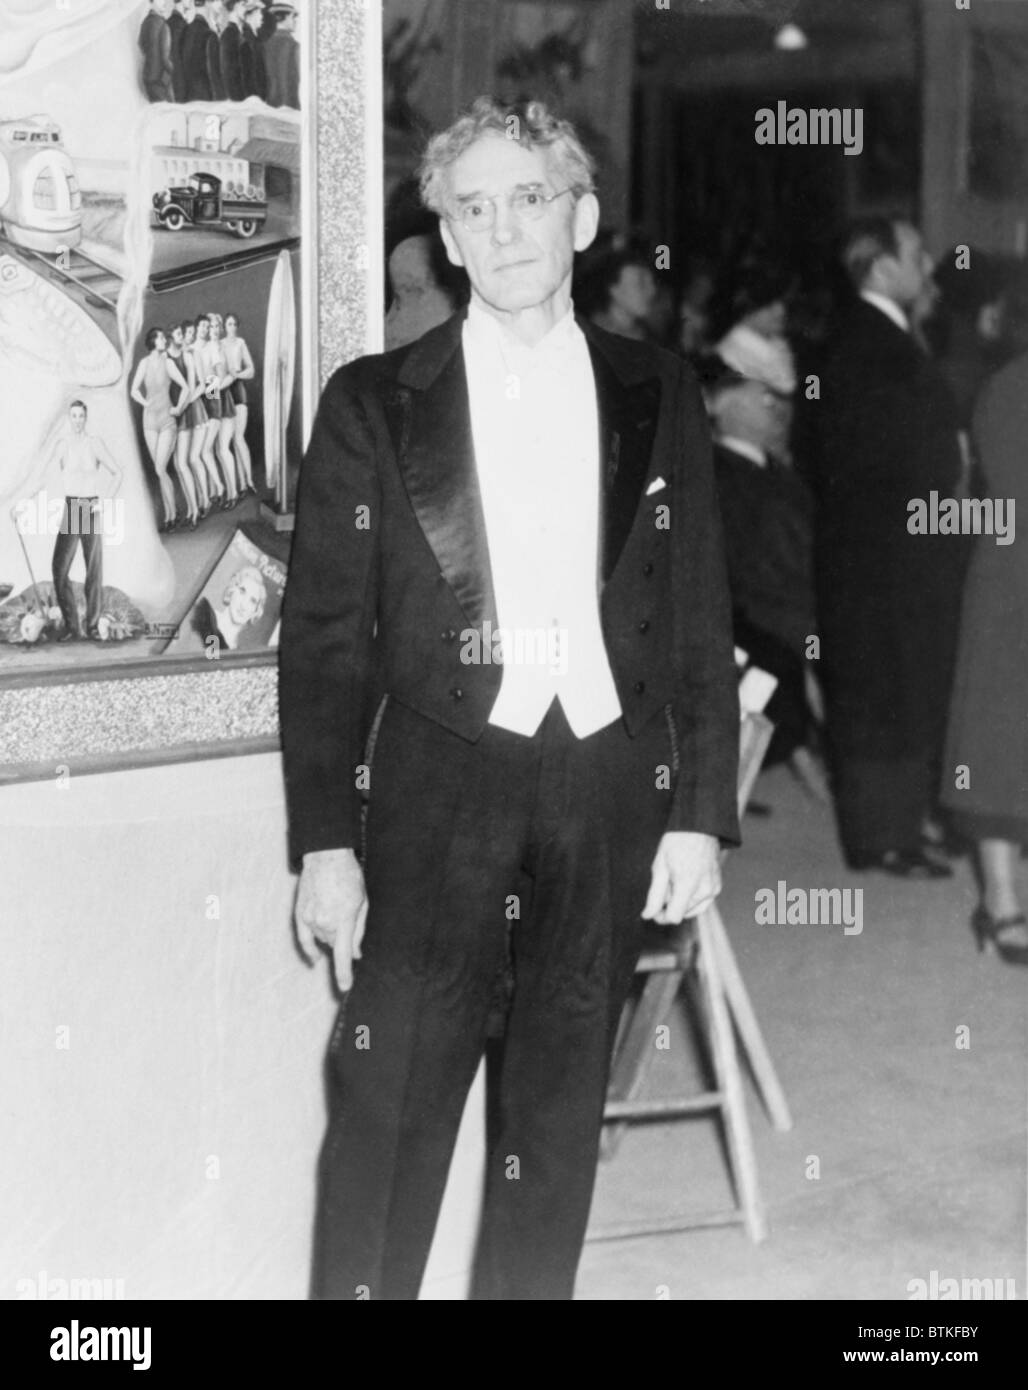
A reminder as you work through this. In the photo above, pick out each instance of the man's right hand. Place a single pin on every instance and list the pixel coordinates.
(332, 907)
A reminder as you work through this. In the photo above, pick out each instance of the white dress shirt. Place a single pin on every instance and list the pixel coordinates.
(890, 309)
(535, 431)
(753, 452)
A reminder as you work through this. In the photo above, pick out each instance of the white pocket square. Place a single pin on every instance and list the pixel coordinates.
(655, 486)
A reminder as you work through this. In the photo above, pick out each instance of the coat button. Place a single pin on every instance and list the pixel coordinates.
(647, 570)
(456, 694)
(639, 687)
(644, 626)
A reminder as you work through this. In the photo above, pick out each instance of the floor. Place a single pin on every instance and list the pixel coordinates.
(904, 1058)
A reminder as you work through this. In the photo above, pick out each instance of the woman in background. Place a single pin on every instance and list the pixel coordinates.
(986, 784)
(240, 364)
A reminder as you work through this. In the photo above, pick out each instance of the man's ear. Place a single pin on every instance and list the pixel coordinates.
(450, 242)
(882, 273)
(587, 220)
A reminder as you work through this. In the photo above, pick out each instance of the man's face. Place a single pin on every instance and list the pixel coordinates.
(752, 411)
(907, 271)
(635, 291)
(419, 302)
(517, 263)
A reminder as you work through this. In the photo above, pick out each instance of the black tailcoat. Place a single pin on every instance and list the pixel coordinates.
(380, 610)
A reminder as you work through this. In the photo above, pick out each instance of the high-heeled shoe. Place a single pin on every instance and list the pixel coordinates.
(987, 929)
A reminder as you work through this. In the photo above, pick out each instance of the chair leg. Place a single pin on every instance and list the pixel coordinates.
(752, 1038)
(729, 1081)
(637, 1051)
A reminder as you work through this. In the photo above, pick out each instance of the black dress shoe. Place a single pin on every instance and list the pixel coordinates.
(906, 863)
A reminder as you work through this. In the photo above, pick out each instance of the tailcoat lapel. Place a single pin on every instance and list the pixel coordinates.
(629, 404)
(431, 423)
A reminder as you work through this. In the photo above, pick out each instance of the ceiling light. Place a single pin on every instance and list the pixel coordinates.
(791, 38)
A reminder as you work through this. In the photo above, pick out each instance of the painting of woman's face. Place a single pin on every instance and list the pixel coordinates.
(160, 342)
(231, 325)
(203, 329)
(190, 334)
(215, 329)
(246, 599)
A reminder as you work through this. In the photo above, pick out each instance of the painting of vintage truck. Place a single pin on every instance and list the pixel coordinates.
(205, 201)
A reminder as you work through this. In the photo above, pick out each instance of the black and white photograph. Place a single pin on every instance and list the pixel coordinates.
(514, 665)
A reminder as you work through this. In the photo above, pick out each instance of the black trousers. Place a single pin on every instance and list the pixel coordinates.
(880, 803)
(79, 522)
(504, 876)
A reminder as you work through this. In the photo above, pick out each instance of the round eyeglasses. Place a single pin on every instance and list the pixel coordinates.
(527, 204)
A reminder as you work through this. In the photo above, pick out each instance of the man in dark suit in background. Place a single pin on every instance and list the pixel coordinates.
(155, 44)
(231, 56)
(508, 528)
(197, 43)
(255, 74)
(767, 514)
(882, 433)
(282, 58)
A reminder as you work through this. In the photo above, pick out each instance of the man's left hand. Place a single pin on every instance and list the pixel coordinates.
(686, 877)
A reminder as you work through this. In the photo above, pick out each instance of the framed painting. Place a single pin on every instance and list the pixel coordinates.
(190, 232)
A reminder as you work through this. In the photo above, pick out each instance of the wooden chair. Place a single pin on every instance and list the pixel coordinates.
(701, 947)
